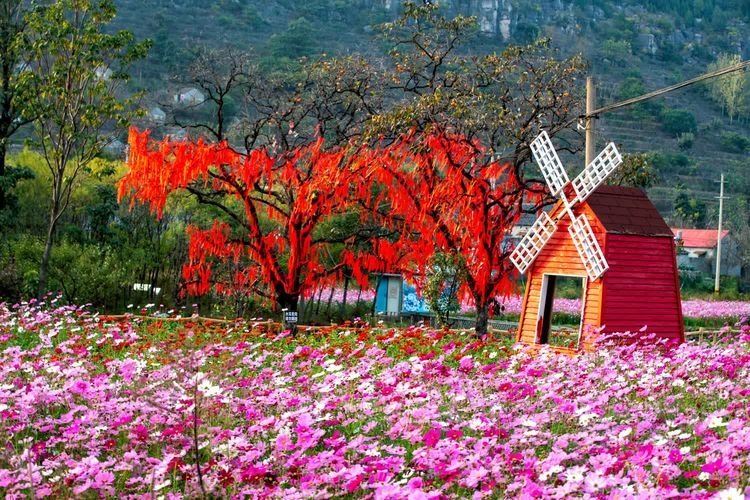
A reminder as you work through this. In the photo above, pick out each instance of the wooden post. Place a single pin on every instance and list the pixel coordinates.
(590, 107)
(718, 238)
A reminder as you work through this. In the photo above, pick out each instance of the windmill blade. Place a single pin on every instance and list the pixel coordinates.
(588, 247)
(531, 244)
(548, 161)
(595, 172)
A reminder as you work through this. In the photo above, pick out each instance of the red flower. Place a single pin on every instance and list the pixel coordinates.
(454, 434)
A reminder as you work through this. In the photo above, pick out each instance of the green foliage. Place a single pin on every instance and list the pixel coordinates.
(690, 210)
(734, 142)
(441, 287)
(616, 51)
(685, 141)
(678, 121)
(701, 285)
(728, 90)
(665, 163)
(299, 40)
(637, 170)
(630, 87)
(15, 94)
(633, 86)
(8, 182)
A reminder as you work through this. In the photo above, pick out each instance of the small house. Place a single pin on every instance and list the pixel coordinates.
(696, 251)
(103, 73)
(115, 147)
(638, 293)
(389, 294)
(157, 115)
(189, 97)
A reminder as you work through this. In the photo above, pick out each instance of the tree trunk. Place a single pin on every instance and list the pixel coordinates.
(320, 297)
(44, 265)
(343, 303)
(287, 301)
(3, 151)
(328, 306)
(483, 316)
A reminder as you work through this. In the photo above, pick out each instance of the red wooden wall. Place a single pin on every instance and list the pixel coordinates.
(641, 287)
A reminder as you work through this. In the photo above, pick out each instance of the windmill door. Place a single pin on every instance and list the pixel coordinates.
(558, 292)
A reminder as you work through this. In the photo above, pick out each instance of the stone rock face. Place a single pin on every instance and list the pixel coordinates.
(647, 43)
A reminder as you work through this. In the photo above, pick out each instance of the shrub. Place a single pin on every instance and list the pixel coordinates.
(678, 121)
(732, 141)
(685, 141)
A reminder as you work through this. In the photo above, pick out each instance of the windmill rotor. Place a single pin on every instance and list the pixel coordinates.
(586, 182)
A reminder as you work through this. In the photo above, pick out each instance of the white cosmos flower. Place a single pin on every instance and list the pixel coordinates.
(715, 422)
(730, 494)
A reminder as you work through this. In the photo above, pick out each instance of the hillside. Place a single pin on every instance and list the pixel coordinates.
(644, 41)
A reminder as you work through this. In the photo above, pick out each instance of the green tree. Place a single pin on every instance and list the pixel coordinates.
(617, 51)
(444, 278)
(728, 90)
(13, 86)
(637, 170)
(77, 74)
(732, 141)
(689, 210)
(299, 40)
(678, 121)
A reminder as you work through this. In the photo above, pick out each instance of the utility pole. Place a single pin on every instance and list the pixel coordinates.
(590, 106)
(718, 237)
(592, 113)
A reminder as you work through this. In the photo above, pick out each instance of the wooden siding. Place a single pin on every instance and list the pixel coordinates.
(559, 257)
(640, 286)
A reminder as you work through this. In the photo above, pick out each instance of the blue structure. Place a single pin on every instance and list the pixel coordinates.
(413, 303)
(394, 296)
(389, 294)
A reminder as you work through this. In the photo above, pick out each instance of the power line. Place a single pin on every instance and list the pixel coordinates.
(629, 102)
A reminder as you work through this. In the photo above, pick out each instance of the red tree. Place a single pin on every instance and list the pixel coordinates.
(447, 195)
(272, 204)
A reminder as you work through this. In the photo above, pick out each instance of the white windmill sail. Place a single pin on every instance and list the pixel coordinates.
(580, 230)
(531, 244)
(595, 172)
(588, 247)
(548, 161)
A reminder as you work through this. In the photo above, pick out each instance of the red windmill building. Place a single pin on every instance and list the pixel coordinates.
(614, 240)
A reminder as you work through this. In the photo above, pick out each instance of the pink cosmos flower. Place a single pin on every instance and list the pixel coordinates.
(466, 364)
(714, 466)
(431, 437)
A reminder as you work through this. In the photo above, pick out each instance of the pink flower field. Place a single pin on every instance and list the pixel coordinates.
(102, 407)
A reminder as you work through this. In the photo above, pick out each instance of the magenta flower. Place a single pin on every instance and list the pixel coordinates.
(431, 437)
(714, 466)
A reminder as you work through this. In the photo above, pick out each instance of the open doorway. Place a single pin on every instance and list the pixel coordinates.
(561, 310)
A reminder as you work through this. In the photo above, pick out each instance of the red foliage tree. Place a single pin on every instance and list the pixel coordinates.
(272, 203)
(447, 195)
